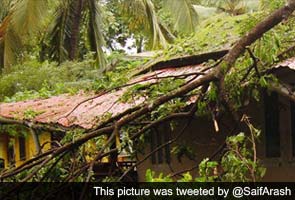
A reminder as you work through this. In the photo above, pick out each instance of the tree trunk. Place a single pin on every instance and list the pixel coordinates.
(78, 7)
(139, 44)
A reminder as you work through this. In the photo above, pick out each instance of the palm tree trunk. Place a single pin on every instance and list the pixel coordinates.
(78, 7)
(139, 44)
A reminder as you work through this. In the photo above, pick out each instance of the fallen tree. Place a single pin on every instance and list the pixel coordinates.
(112, 127)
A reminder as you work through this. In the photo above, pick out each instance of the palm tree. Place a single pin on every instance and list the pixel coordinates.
(63, 34)
(183, 16)
(143, 18)
(23, 19)
(20, 19)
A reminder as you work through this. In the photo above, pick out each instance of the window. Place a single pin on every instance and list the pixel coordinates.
(55, 138)
(22, 148)
(160, 137)
(272, 135)
(11, 157)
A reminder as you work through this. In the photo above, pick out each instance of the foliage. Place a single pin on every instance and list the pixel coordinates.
(151, 90)
(42, 80)
(33, 79)
(19, 26)
(183, 14)
(183, 150)
(72, 28)
(207, 171)
(238, 164)
(30, 114)
(119, 74)
(209, 38)
(142, 16)
(52, 26)
(233, 7)
(265, 51)
(116, 29)
(146, 22)
(271, 4)
(5, 4)
(58, 40)
(150, 177)
(14, 130)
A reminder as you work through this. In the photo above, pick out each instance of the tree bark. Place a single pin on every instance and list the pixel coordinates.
(78, 7)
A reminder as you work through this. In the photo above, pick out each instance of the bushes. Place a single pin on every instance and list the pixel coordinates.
(33, 79)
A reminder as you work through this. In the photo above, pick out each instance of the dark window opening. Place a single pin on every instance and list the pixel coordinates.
(2, 163)
(160, 137)
(11, 156)
(272, 135)
(55, 138)
(22, 148)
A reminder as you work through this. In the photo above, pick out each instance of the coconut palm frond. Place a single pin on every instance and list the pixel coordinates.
(3, 31)
(4, 8)
(59, 32)
(183, 14)
(12, 45)
(1, 53)
(96, 37)
(158, 35)
(4, 26)
(143, 16)
(27, 16)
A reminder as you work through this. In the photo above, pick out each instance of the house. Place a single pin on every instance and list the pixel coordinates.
(274, 115)
(30, 120)
(14, 150)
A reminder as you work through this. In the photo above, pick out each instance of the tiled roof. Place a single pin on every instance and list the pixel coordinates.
(86, 110)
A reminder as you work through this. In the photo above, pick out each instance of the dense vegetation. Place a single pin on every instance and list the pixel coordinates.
(33, 73)
(51, 48)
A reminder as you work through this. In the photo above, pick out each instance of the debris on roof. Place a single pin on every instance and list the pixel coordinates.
(88, 110)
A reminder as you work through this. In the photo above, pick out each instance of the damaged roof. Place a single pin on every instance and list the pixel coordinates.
(88, 110)
(285, 71)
